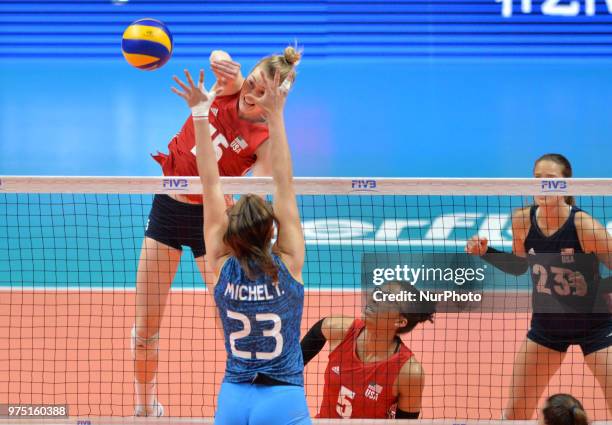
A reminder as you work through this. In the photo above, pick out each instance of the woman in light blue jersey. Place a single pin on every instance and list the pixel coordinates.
(259, 291)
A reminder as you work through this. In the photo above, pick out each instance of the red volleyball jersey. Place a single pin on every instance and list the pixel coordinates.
(354, 389)
(235, 141)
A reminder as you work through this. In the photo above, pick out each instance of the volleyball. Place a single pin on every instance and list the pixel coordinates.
(147, 44)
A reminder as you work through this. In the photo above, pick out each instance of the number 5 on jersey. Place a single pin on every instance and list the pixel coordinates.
(344, 407)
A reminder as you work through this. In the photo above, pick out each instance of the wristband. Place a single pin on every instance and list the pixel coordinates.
(200, 111)
(286, 85)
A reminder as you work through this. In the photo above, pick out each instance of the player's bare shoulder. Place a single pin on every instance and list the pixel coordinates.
(521, 222)
(411, 378)
(411, 371)
(584, 221)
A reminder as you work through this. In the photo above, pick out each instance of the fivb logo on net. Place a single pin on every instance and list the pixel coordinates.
(553, 186)
(365, 185)
(175, 184)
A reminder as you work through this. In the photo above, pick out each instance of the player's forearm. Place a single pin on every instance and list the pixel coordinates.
(280, 155)
(205, 154)
(508, 263)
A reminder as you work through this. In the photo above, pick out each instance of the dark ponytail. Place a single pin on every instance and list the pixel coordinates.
(249, 236)
(564, 409)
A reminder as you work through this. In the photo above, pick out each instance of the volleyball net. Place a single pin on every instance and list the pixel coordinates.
(69, 256)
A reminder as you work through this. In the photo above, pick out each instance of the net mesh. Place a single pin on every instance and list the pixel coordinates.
(69, 256)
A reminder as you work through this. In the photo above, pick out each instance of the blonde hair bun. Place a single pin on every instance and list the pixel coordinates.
(292, 56)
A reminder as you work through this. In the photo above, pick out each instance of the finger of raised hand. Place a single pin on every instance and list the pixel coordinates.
(180, 83)
(216, 67)
(180, 93)
(221, 73)
(201, 80)
(266, 81)
(234, 64)
(225, 66)
(258, 100)
(277, 78)
(189, 79)
(221, 77)
(228, 64)
(261, 100)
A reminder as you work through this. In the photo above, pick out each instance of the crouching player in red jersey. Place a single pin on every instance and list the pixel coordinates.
(239, 135)
(371, 373)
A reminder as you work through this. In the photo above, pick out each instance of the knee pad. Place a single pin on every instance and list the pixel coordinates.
(144, 348)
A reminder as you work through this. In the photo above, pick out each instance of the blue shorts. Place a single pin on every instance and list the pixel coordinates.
(177, 224)
(253, 404)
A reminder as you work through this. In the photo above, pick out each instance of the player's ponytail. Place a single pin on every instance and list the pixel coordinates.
(564, 409)
(292, 56)
(249, 236)
(284, 63)
(566, 169)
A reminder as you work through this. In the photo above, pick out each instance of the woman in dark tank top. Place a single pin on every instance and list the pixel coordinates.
(563, 247)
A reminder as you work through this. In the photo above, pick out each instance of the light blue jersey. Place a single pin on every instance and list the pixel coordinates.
(261, 324)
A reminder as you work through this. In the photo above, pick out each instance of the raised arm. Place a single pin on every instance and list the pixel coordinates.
(215, 217)
(290, 239)
(263, 163)
(513, 263)
(332, 329)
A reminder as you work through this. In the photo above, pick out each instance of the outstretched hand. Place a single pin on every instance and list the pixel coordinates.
(197, 98)
(272, 101)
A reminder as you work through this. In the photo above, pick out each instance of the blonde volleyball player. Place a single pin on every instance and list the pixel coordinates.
(239, 136)
(259, 291)
(371, 374)
(563, 246)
